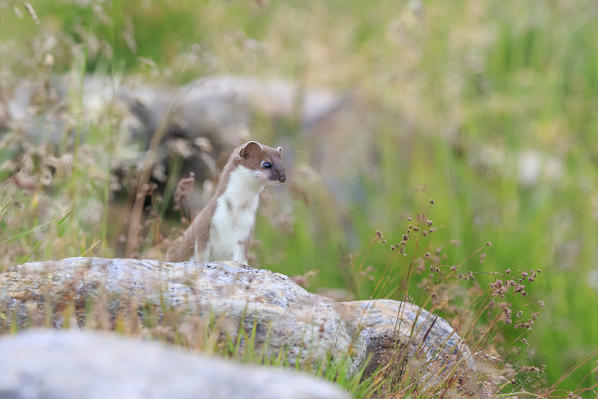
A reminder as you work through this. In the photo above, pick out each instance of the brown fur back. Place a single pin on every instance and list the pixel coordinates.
(183, 248)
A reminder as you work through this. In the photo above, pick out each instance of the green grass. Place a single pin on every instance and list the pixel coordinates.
(446, 87)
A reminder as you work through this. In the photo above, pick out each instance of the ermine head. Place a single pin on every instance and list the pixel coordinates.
(265, 162)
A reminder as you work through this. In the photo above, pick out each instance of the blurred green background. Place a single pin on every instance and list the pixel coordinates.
(488, 107)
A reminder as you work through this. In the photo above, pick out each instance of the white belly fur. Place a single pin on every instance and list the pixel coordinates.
(234, 217)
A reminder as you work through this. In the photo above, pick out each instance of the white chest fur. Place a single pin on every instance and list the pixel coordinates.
(234, 217)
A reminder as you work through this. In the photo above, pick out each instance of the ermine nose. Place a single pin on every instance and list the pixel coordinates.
(282, 179)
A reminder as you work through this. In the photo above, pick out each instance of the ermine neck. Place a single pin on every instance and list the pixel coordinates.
(243, 183)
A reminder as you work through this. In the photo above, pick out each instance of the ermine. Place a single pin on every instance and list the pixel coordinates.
(223, 228)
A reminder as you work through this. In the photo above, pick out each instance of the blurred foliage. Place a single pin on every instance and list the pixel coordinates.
(487, 107)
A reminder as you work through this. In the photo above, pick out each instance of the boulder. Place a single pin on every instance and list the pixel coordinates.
(214, 108)
(285, 317)
(195, 126)
(88, 365)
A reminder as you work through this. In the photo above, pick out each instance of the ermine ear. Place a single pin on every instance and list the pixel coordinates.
(249, 148)
(279, 149)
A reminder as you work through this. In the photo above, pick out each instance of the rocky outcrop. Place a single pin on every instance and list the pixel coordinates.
(195, 126)
(89, 365)
(284, 317)
(199, 122)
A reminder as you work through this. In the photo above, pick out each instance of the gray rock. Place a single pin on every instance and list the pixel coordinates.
(88, 365)
(218, 108)
(274, 97)
(198, 124)
(287, 318)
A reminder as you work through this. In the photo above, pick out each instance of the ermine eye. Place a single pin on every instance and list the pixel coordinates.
(266, 165)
